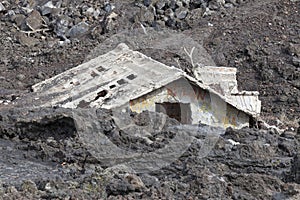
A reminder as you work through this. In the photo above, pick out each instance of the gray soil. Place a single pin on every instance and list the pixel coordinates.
(46, 155)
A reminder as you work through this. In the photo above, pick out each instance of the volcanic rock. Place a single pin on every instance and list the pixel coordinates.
(34, 21)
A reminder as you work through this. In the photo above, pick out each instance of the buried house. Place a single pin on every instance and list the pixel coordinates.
(126, 78)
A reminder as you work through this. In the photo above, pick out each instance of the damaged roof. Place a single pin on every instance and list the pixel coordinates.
(121, 75)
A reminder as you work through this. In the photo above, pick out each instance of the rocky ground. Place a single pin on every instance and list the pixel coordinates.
(41, 38)
(42, 160)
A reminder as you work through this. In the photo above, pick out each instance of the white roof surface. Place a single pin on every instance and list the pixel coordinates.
(115, 78)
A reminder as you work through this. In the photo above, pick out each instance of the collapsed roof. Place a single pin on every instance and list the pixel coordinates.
(115, 78)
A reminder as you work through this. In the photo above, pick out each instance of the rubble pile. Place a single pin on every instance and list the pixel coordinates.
(181, 14)
(72, 19)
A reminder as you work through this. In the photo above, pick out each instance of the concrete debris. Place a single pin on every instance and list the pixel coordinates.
(225, 77)
(126, 78)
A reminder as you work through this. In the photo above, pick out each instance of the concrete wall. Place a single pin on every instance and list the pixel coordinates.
(225, 77)
(207, 108)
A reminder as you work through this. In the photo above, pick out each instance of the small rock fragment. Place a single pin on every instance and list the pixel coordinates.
(96, 13)
(90, 11)
(20, 84)
(27, 41)
(20, 77)
(296, 83)
(172, 4)
(296, 61)
(147, 16)
(111, 21)
(29, 186)
(61, 26)
(186, 2)
(79, 30)
(34, 21)
(108, 7)
(13, 191)
(159, 24)
(294, 49)
(19, 19)
(181, 13)
(2, 189)
(216, 4)
(160, 4)
(228, 5)
(2, 8)
(134, 181)
(169, 13)
(147, 2)
(40, 75)
(282, 98)
(179, 4)
(11, 13)
(48, 187)
(47, 8)
(149, 180)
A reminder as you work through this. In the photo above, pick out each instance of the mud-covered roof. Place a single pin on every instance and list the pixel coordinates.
(115, 78)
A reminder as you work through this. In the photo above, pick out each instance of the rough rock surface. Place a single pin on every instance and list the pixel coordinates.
(44, 154)
(40, 159)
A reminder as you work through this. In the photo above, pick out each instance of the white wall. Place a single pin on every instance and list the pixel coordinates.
(207, 108)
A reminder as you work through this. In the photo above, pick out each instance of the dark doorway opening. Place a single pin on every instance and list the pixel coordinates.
(179, 111)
